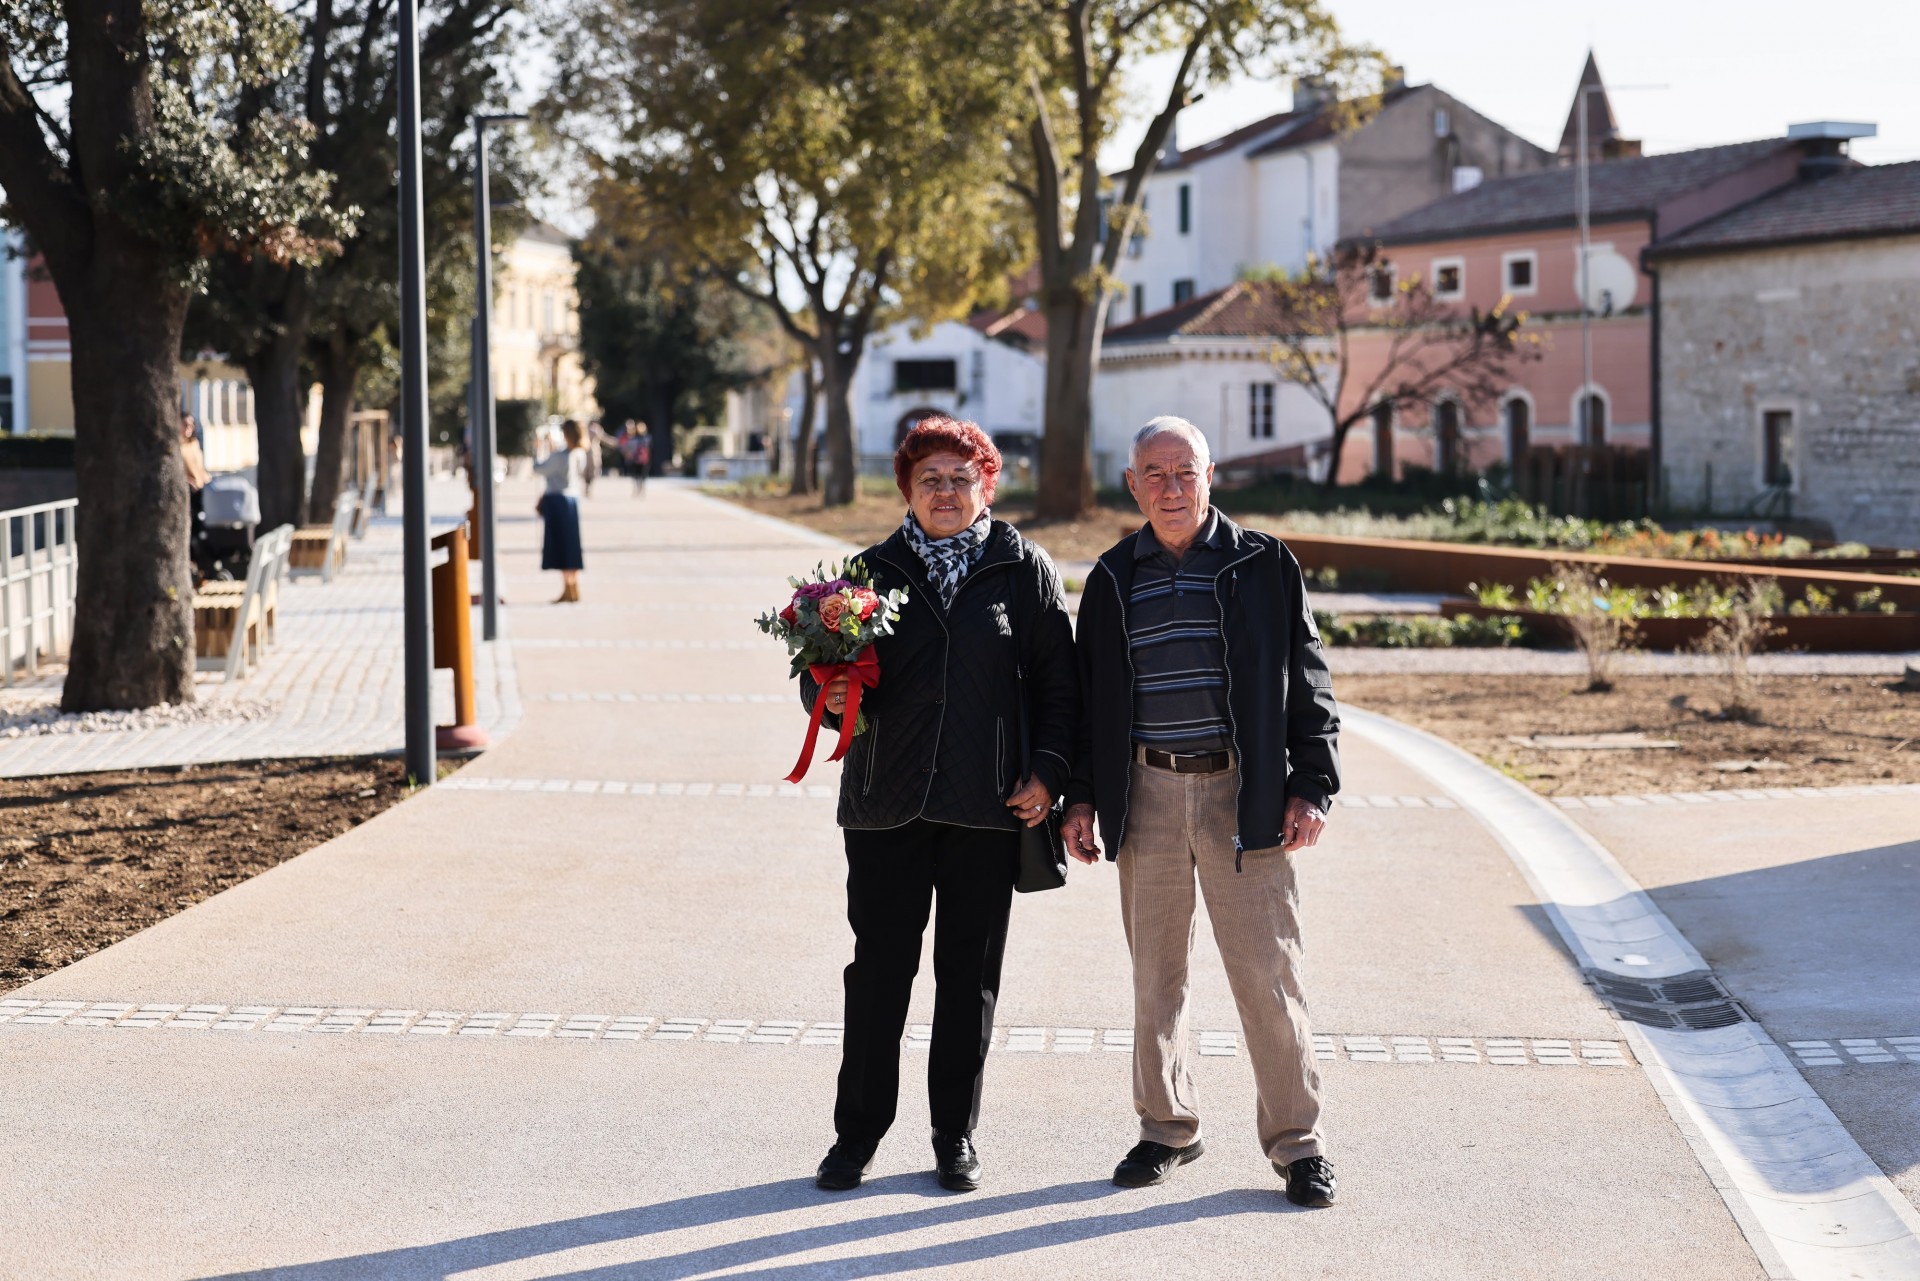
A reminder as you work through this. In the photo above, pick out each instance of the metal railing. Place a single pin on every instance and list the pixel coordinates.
(38, 563)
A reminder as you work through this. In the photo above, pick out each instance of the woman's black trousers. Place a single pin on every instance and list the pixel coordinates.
(965, 876)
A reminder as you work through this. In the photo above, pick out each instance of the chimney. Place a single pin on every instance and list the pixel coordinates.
(1310, 93)
(1394, 77)
(1823, 145)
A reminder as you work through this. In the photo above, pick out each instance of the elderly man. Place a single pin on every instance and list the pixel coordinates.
(1209, 748)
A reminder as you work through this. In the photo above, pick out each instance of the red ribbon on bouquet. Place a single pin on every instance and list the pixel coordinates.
(863, 671)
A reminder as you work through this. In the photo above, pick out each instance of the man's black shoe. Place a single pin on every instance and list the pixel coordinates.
(1150, 1163)
(845, 1165)
(1309, 1181)
(955, 1161)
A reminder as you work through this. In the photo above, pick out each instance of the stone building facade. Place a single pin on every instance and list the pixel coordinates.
(1790, 358)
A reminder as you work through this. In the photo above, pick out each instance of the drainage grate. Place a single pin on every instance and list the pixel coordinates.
(1695, 1001)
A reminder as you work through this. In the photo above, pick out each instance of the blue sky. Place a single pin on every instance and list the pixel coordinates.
(1733, 69)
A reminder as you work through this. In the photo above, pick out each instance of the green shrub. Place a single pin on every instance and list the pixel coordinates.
(1421, 631)
(513, 423)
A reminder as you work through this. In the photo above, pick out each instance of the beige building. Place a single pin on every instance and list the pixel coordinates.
(536, 326)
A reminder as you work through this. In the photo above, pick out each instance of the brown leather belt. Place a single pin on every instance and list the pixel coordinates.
(1195, 763)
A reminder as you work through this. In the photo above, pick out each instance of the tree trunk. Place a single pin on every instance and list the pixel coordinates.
(804, 480)
(278, 406)
(133, 621)
(1065, 489)
(843, 481)
(339, 376)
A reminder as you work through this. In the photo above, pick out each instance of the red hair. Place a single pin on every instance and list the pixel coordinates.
(939, 434)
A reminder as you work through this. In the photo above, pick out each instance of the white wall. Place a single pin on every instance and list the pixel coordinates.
(1000, 387)
(1297, 204)
(1211, 388)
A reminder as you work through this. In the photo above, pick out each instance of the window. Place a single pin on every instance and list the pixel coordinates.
(1182, 290)
(1139, 301)
(1593, 419)
(1260, 411)
(1777, 442)
(546, 312)
(1519, 270)
(1442, 122)
(6, 405)
(1383, 441)
(1519, 415)
(1186, 207)
(1449, 277)
(1446, 436)
(925, 375)
(1380, 284)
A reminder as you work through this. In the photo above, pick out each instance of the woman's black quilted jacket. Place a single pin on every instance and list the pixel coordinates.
(943, 725)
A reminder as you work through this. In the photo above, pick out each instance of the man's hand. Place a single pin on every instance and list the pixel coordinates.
(1303, 824)
(1030, 802)
(1077, 832)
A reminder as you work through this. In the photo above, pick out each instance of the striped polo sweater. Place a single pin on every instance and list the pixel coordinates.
(1179, 658)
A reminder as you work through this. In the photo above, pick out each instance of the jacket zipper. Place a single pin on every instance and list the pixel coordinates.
(873, 754)
(1233, 726)
(1000, 751)
(1126, 645)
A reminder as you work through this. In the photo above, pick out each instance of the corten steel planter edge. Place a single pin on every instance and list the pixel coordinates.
(1420, 566)
(1819, 633)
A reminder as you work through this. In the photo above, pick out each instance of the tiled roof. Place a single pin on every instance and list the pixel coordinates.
(1297, 129)
(1025, 324)
(1244, 309)
(1620, 188)
(1877, 200)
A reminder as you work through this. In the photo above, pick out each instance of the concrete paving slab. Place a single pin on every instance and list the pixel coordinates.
(323, 1160)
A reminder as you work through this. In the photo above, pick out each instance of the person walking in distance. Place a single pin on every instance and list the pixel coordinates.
(1208, 751)
(565, 471)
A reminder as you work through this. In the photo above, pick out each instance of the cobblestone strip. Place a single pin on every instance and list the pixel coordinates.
(1730, 795)
(366, 1020)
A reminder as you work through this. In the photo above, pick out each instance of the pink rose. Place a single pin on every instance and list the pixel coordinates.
(832, 609)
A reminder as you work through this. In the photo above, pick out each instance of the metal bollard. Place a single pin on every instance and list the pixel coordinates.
(453, 641)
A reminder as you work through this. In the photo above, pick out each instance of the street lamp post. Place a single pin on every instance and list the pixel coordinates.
(413, 409)
(482, 416)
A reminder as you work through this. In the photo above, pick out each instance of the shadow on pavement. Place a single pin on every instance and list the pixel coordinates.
(444, 1258)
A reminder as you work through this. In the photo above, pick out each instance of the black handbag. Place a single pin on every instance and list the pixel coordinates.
(1043, 852)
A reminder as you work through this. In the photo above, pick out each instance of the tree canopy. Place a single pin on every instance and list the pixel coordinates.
(840, 165)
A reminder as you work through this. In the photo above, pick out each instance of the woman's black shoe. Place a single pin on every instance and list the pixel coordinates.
(1150, 1163)
(955, 1161)
(1310, 1182)
(843, 1168)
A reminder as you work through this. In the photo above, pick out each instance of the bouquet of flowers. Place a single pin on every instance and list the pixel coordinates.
(829, 627)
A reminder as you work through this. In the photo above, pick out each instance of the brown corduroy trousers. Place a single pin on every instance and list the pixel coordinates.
(1179, 825)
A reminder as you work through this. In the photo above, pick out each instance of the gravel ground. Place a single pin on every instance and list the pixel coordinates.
(31, 713)
(1557, 662)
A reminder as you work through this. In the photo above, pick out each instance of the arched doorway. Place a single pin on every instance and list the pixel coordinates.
(1446, 436)
(1519, 422)
(909, 419)
(1383, 441)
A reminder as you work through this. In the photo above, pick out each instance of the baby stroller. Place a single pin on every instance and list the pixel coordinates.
(229, 512)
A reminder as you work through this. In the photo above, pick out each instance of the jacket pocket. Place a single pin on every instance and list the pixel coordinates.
(873, 752)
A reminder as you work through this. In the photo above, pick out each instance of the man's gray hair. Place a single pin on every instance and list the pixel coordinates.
(1168, 424)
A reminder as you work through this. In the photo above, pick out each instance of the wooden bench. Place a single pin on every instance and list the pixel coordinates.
(233, 622)
(322, 549)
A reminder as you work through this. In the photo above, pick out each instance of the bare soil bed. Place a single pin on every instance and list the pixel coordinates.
(1823, 731)
(88, 859)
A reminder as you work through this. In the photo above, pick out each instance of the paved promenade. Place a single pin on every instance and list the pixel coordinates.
(331, 686)
(574, 1013)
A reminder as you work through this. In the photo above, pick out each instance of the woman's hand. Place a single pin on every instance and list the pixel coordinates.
(1030, 802)
(835, 692)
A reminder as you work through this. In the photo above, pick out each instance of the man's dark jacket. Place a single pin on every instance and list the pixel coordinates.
(943, 736)
(1279, 695)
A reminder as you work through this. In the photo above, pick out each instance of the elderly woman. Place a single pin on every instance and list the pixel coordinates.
(565, 470)
(933, 795)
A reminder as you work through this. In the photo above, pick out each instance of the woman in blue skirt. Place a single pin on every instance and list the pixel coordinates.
(566, 473)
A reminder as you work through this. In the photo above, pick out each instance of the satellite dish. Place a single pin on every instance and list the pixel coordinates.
(1612, 282)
